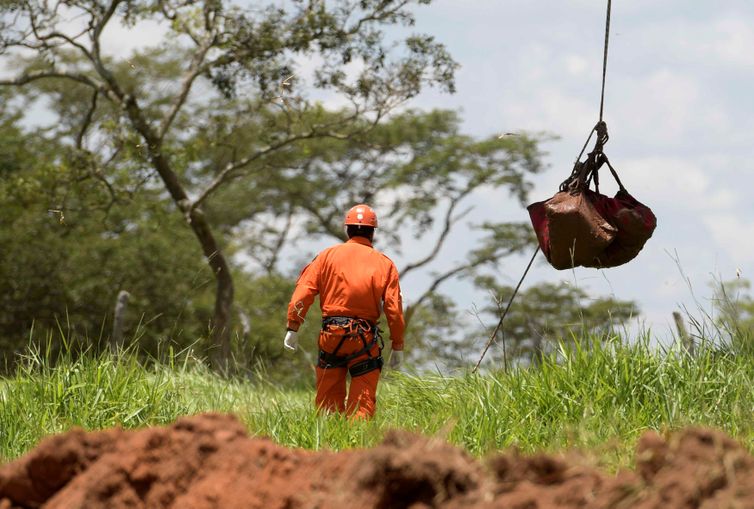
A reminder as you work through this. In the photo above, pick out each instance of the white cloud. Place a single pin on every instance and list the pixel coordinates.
(724, 39)
(549, 108)
(733, 41)
(735, 232)
(119, 40)
(684, 184)
(660, 107)
(576, 65)
(679, 117)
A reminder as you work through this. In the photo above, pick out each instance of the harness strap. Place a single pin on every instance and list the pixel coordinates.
(366, 366)
(328, 360)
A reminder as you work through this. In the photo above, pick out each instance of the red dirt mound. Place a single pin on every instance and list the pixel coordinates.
(208, 461)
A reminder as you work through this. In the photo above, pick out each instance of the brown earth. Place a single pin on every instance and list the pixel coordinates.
(208, 461)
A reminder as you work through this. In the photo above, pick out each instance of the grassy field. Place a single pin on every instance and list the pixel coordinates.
(598, 399)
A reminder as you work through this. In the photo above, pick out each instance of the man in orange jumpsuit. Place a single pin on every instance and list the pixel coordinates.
(355, 283)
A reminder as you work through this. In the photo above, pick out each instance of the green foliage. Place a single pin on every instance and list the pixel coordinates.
(413, 166)
(734, 304)
(69, 247)
(547, 314)
(76, 239)
(435, 339)
(137, 159)
(143, 114)
(264, 300)
(584, 396)
(591, 395)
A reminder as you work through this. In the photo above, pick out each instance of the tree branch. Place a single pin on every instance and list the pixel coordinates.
(173, 16)
(114, 91)
(87, 120)
(231, 167)
(101, 26)
(59, 35)
(280, 242)
(452, 273)
(38, 75)
(195, 68)
(448, 224)
(315, 132)
(324, 221)
(376, 15)
(411, 308)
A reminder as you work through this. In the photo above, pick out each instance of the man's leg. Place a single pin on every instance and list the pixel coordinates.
(362, 395)
(331, 389)
(331, 382)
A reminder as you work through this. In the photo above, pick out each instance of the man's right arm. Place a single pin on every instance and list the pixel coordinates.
(307, 287)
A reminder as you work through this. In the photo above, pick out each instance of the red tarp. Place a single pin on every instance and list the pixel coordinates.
(585, 228)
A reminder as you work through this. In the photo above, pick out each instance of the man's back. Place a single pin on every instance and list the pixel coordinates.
(352, 279)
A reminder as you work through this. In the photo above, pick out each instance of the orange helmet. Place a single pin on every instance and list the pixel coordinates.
(361, 215)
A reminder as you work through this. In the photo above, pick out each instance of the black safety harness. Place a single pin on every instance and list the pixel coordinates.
(352, 328)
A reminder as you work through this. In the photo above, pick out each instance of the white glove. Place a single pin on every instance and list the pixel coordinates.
(291, 340)
(396, 359)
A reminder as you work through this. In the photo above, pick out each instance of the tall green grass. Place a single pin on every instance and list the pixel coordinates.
(591, 395)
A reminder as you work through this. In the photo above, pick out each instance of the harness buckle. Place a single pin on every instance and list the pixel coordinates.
(366, 366)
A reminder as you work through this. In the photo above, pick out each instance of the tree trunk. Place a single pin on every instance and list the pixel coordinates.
(221, 321)
(119, 316)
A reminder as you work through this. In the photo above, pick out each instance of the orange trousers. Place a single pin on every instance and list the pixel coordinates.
(331, 382)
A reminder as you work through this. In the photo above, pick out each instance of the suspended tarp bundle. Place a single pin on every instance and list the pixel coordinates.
(581, 227)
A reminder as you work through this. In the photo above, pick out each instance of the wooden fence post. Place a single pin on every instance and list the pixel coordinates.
(683, 334)
(116, 339)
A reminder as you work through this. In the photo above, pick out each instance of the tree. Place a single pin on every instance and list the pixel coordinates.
(417, 169)
(420, 157)
(544, 315)
(420, 172)
(234, 49)
(69, 247)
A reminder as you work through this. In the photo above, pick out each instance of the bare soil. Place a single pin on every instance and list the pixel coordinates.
(208, 461)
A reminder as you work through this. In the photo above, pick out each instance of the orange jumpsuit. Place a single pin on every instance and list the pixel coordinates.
(352, 280)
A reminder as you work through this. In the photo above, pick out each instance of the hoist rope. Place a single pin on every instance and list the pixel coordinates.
(502, 317)
(602, 137)
(604, 58)
(604, 79)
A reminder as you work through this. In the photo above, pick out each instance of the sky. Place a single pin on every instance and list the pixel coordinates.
(677, 105)
(679, 112)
